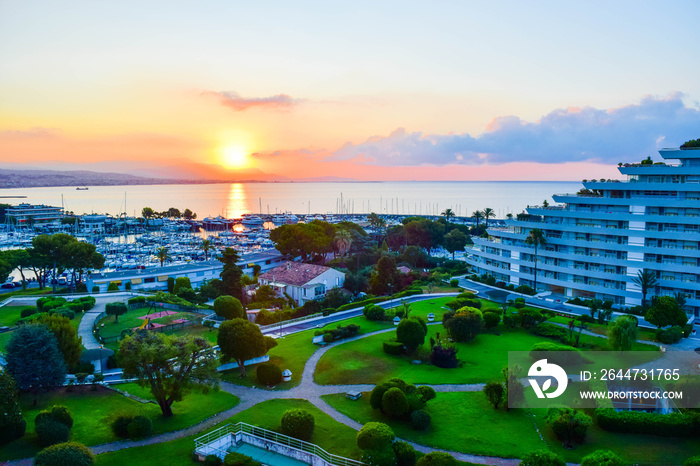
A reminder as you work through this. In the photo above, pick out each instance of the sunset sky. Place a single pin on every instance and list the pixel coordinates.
(365, 90)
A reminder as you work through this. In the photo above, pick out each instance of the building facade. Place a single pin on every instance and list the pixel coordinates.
(28, 215)
(598, 239)
(302, 282)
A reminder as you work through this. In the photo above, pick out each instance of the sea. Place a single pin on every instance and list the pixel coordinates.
(231, 200)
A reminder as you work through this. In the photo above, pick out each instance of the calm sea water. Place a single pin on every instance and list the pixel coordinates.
(234, 199)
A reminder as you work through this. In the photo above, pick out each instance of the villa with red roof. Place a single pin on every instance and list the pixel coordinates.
(302, 282)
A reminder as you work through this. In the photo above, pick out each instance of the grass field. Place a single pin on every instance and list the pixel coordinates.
(132, 319)
(463, 422)
(93, 411)
(602, 329)
(9, 315)
(329, 434)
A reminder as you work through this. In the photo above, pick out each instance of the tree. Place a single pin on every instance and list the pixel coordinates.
(602, 458)
(229, 308)
(665, 311)
(437, 458)
(477, 215)
(646, 280)
(623, 333)
(488, 213)
(536, 238)
(34, 360)
(568, 424)
(14, 259)
(231, 273)
(56, 253)
(174, 213)
(465, 325)
(12, 424)
(494, 392)
(342, 242)
(115, 309)
(298, 423)
(385, 276)
(411, 332)
(163, 255)
(542, 458)
(170, 366)
(240, 340)
(515, 392)
(206, 247)
(594, 306)
(147, 213)
(63, 454)
(448, 214)
(189, 215)
(67, 339)
(454, 241)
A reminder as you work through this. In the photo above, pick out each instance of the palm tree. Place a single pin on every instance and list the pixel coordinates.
(646, 280)
(342, 241)
(162, 254)
(488, 213)
(147, 213)
(206, 247)
(477, 215)
(448, 213)
(536, 238)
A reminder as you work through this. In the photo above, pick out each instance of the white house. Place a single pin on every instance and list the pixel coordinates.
(302, 282)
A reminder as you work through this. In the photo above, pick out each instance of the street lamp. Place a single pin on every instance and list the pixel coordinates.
(391, 286)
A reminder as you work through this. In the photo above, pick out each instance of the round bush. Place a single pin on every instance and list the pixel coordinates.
(375, 397)
(394, 402)
(64, 454)
(373, 312)
(298, 423)
(140, 427)
(437, 458)
(268, 374)
(382, 457)
(212, 460)
(392, 347)
(374, 436)
(28, 311)
(62, 415)
(43, 416)
(420, 420)
(542, 458)
(602, 458)
(693, 461)
(228, 307)
(120, 425)
(52, 432)
(491, 319)
(405, 454)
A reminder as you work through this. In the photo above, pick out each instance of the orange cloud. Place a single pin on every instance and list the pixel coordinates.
(237, 103)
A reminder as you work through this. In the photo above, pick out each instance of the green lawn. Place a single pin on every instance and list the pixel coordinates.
(92, 412)
(109, 328)
(9, 315)
(463, 422)
(329, 434)
(602, 329)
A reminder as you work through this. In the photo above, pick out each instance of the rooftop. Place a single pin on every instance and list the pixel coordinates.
(294, 273)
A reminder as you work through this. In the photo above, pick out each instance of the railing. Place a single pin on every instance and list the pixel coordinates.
(268, 435)
(290, 321)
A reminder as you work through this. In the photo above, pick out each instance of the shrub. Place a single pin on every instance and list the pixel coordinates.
(405, 454)
(542, 458)
(602, 458)
(373, 312)
(394, 402)
(95, 289)
(120, 425)
(636, 422)
(494, 392)
(374, 436)
(420, 419)
(50, 432)
(519, 303)
(437, 458)
(444, 356)
(239, 459)
(529, 317)
(62, 415)
(382, 457)
(298, 423)
(171, 284)
(113, 287)
(140, 427)
(669, 335)
(268, 374)
(491, 319)
(692, 461)
(212, 460)
(550, 331)
(411, 332)
(454, 283)
(70, 453)
(28, 311)
(137, 300)
(564, 354)
(465, 325)
(524, 289)
(569, 425)
(115, 309)
(392, 346)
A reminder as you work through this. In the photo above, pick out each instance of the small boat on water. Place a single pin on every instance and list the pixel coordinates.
(82, 188)
(250, 220)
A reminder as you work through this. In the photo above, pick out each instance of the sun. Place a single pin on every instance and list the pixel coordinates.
(235, 157)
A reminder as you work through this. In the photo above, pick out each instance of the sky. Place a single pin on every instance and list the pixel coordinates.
(365, 90)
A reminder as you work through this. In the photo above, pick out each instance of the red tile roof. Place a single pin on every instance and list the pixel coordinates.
(294, 273)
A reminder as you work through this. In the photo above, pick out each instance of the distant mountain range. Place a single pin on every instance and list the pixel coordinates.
(126, 173)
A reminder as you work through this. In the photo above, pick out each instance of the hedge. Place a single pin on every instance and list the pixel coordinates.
(137, 300)
(637, 422)
(268, 374)
(362, 303)
(392, 347)
(550, 331)
(570, 355)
